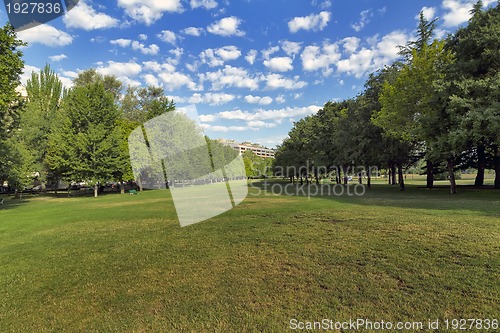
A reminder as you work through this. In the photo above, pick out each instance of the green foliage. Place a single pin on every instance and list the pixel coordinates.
(38, 120)
(12, 153)
(86, 144)
(143, 104)
(256, 166)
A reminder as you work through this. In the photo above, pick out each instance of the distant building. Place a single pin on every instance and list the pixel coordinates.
(257, 149)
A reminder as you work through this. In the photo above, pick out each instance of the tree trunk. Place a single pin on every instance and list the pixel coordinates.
(360, 178)
(496, 163)
(345, 171)
(389, 174)
(96, 190)
(369, 178)
(301, 180)
(430, 174)
(17, 195)
(139, 182)
(393, 172)
(451, 175)
(481, 166)
(316, 176)
(401, 177)
(337, 176)
(122, 187)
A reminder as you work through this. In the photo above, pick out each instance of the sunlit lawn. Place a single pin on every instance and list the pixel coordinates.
(122, 263)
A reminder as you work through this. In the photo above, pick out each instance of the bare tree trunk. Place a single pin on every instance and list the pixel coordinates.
(451, 175)
(496, 163)
(345, 171)
(430, 174)
(401, 179)
(393, 172)
(481, 166)
(369, 177)
(96, 190)
(122, 187)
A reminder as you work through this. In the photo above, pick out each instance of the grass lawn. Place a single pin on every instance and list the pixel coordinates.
(122, 263)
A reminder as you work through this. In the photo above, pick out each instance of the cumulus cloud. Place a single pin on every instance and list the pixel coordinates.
(266, 100)
(279, 64)
(230, 77)
(192, 31)
(315, 57)
(275, 115)
(45, 34)
(83, 16)
(312, 22)
(207, 4)
(429, 13)
(228, 26)
(153, 49)
(173, 81)
(56, 58)
(124, 71)
(458, 11)
(291, 48)
(250, 57)
(351, 44)
(149, 11)
(211, 98)
(365, 16)
(278, 81)
(168, 37)
(217, 57)
(266, 54)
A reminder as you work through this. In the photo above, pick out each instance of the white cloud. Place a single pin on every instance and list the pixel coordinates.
(168, 37)
(121, 42)
(277, 81)
(429, 13)
(207, 4)
(151, 80)
(192, 31)
(207, 118)
(381, 53)
(157, 67)
(230, 77)
(250, 57)
(228, 26)
(275, 115)
(153, 49)
(315, 57)
(268, 52)
(311, 22)
(83, 16)
(365, 16)
(279, 64)
(124, 71)
(27, 71)
(224, 129)
(351, 44)
(218, 56)
(211, 98)
(458, 11)
(143, 37)
(45, 34)
(280, 99)
(56, 58)
(253, 124)
(291, 48)
(149, 11)
(266, 100)
(177, 80)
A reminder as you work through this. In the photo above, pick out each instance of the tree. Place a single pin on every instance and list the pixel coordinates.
(142, 104)
(474, 85)
(111, 84)
(86, 146)
(11, 105)
(38, 120)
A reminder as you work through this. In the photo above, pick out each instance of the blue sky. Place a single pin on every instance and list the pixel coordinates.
(251, 67)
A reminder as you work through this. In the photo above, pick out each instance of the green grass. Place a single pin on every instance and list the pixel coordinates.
(123, 263)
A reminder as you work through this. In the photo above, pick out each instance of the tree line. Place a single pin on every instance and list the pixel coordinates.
(440, 102)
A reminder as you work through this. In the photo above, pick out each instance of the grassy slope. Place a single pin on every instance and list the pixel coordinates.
(122, 263)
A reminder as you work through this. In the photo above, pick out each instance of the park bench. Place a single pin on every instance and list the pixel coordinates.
(132, 192)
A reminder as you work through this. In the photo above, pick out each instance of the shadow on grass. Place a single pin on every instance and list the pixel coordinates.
(469, 198)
